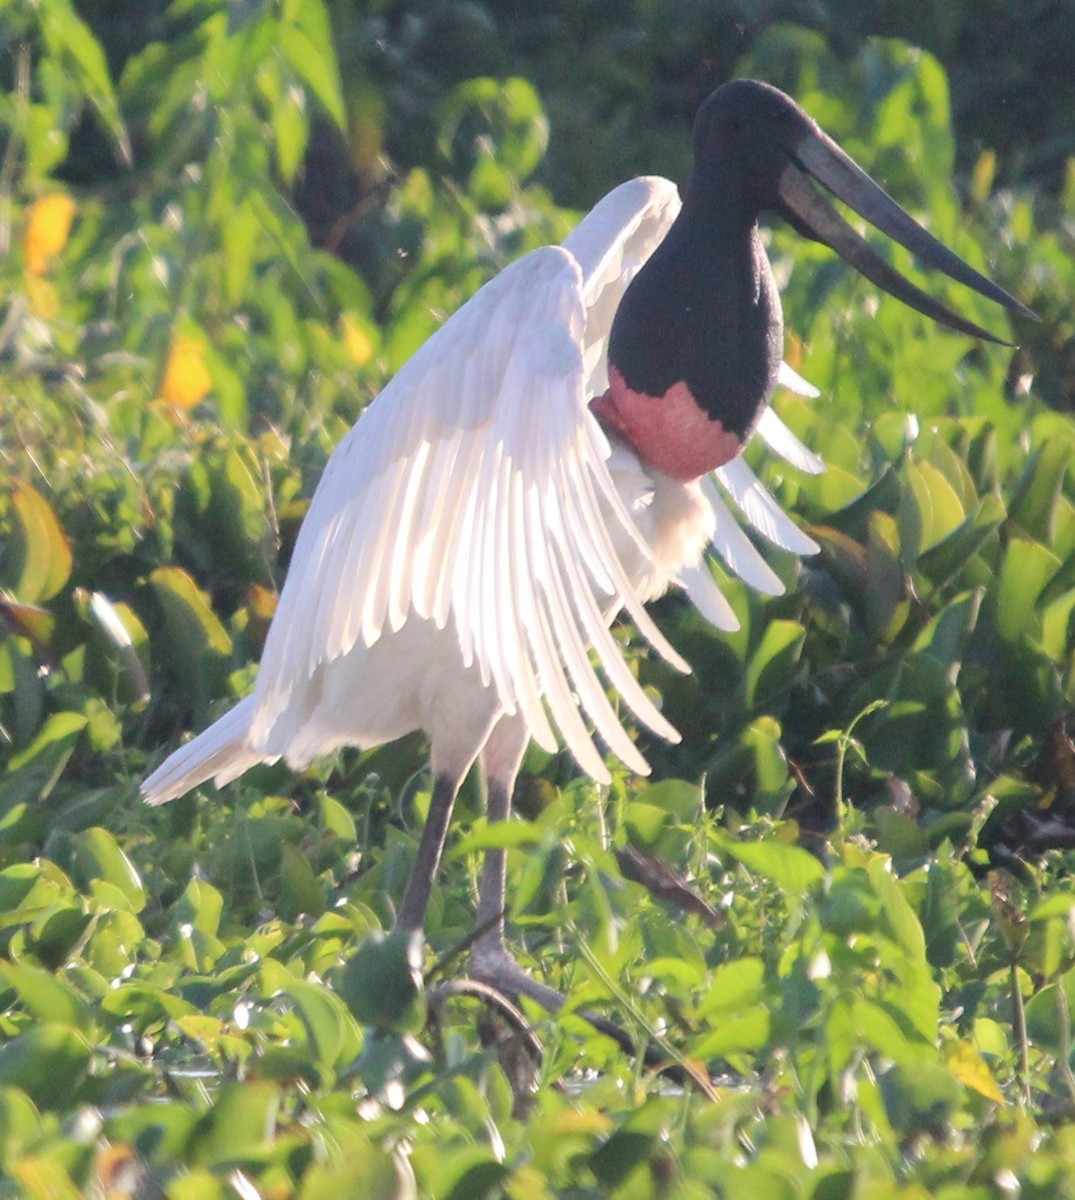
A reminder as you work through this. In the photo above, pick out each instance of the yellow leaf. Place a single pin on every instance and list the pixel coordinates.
(356, 339)
(42, 1178)
(186, 378)
(37, 558)
(47, 228)
(968, 1066)
(120, 1173)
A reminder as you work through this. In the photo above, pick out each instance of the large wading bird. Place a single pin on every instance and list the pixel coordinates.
(545, 461)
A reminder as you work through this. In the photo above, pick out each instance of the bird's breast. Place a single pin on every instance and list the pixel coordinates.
(673, 517)
(670, 432)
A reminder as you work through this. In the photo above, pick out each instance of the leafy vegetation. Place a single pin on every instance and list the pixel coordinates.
(843, 906)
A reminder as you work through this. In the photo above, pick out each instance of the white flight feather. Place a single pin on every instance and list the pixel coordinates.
(761, 510)
(779, 438)
(707, 598)
(791, 379)
(737, 550)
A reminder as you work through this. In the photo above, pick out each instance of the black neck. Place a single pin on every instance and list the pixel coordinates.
(704, 311)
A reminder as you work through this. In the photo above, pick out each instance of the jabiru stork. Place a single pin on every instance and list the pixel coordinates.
(546, 460)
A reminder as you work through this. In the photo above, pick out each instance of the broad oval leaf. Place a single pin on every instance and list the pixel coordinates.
(794, 870)
(35, 557)
(47, 1061)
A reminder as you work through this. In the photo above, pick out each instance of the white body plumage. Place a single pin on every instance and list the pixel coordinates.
(476, 532)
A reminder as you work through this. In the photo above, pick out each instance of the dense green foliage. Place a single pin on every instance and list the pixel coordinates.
(222, 226)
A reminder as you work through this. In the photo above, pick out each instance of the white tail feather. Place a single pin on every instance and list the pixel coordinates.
(222, 753)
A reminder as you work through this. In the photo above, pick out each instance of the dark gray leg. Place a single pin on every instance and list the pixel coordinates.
(490, 915)
(490, 959)
(412, 909)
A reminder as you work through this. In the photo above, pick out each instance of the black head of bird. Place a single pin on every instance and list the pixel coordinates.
(702, 320)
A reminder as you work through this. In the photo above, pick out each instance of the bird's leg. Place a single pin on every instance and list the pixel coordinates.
(490, 959)
(412, 910)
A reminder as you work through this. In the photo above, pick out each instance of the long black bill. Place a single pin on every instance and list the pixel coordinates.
(814, 217)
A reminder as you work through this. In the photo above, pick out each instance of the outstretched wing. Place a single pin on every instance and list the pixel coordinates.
(474, 490)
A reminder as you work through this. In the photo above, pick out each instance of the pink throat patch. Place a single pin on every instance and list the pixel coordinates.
(669, 432)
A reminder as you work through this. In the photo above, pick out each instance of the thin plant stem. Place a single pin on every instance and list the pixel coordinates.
(1021, 1035)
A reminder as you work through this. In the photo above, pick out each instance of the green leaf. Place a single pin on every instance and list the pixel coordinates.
(120, 645)
(490, 185)
(792, 869)
(200, 906)
(929, 510)
(47, 143)
(70, 38)
(681, 800)
(919, 1097)
(300, 891)
(917, 720)
(734, 985)
(741, 1033)
(471, 1173)
(774, 663)
(1033, 507)
(291, 130)
(896, 911)
(36, 768)
(240, 1123)
(20, 1124)
(382, 983)
(940, 563)
(333, 1036)
(195, 644)
(46, 996)
(887, 602)
(1056, 625)
(97, 855)
(644, 823)
(631, 1145)
(945, 637)
(1027, 568)
(359, 1168)
(316, 67)
(239, 241)
(48, 1062)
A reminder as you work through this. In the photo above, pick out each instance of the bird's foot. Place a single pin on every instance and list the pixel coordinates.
(493, 965)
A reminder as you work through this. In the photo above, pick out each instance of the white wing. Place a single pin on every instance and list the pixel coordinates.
(472, 489)
(474, 493)
(611, 245)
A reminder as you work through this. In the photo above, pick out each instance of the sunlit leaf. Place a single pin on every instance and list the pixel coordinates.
(96, 855)
(1027, 568)
(316, 67)
(35, 555)
(792, 869)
